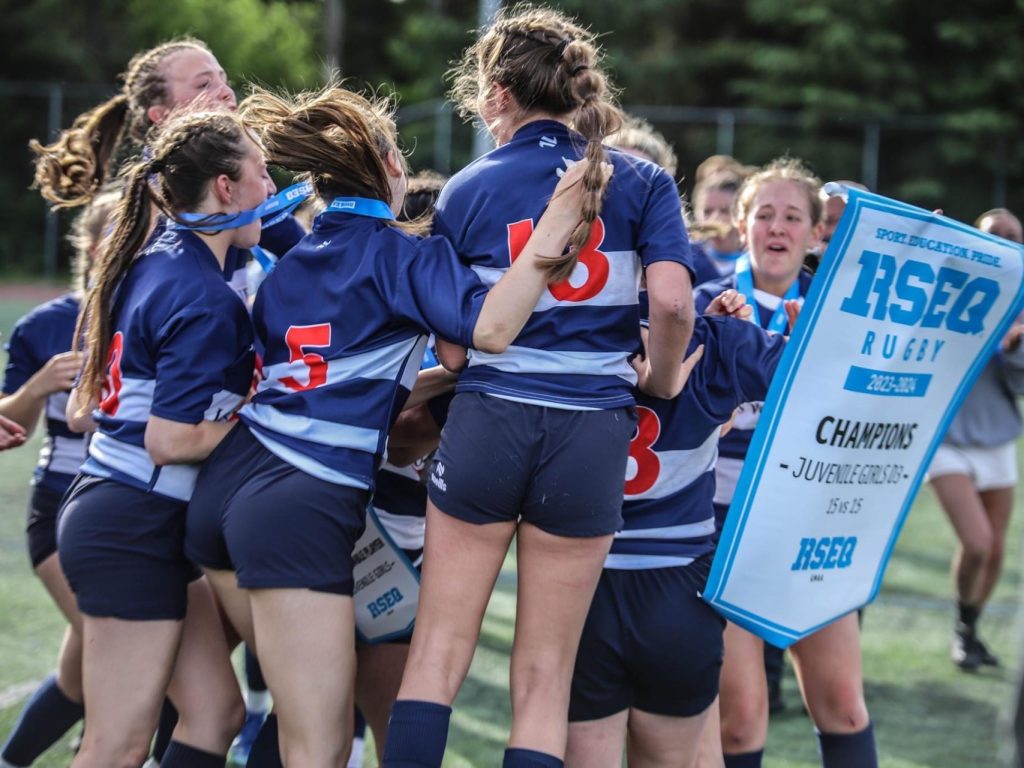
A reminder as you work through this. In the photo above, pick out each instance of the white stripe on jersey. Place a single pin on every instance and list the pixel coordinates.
(526, 360)
(62, 454)
(406, 531)
(727, 473)
(678, 468)
(175, 480)
(239, 283)
(134, 400)
(644, 562)
(382, 363)
(303, 462)
(621, 290)
(688, 531)
(329, 433)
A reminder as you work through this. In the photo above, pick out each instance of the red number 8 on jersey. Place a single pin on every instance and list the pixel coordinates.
(594, 260)
(648, 465)
(110, 396)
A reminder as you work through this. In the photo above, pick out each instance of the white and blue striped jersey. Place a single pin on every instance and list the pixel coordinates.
(47, 330)
(572, 352)
(733, 446)
(181, 350)
(668, 516)
(343, 322)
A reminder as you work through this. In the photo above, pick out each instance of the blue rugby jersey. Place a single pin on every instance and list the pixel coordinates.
(667, 510)
(733, 447)
(181, 350)
(573, 351)
(344, 321)
(400, 495)
(708, 265)
(47, 330)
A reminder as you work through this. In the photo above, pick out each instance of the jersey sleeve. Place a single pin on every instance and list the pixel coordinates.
(438, 293)
(22, 359)
(281, 237)
(197, 351)
(662, 234)
(748, 358)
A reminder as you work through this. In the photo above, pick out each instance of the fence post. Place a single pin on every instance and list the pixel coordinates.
(869, 156)
(443, 137)
(51, 232)
(726, 132)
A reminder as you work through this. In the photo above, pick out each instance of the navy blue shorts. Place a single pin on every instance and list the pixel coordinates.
(274, 525)
(649, 642)
(41, 526)
(122, 550)
(563, 471)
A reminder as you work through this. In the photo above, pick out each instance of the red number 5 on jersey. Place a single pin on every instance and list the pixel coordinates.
(298, 337)
(648, 465)
(594, 260)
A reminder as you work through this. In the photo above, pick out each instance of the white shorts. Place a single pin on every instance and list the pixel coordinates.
(990, 468)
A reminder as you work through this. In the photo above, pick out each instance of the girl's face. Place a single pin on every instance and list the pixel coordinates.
(252, 188)
(715, 207)
(194, 77)
(778, 230)
(1004, 226)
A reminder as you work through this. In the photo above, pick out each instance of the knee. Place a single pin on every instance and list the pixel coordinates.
(842, 709)
(744, 719)
(215, 721)
(977, 549)
(127, 752)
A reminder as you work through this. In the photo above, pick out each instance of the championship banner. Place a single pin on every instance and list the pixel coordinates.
(386, 587)
(905, 310)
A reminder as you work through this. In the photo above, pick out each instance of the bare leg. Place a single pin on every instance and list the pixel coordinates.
(658, 741)
(828, 668)
(743, 700)
(597, 743)
(203, 686)
(709, 751)
(557, 579)
(69, 662)
(379, 671)
(126, 667)
(461, 562)
(966, 513)
(998, 504)
(306, 643)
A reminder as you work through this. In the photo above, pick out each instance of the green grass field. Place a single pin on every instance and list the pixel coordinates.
(927, 713)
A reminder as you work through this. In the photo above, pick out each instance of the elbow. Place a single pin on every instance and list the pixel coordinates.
(494, 340)
(163, 451)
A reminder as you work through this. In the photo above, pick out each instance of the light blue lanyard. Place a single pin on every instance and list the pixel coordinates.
(745, 285)
(273, 209)
(360, 206)
(265, 259)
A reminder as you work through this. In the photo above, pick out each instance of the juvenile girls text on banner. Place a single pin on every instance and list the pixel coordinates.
(906, 309)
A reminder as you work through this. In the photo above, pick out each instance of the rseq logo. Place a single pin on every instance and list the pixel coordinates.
(385, 602)
(825, 553)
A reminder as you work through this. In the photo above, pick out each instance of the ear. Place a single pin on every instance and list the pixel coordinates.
(816, 232)
(393, 164)
(222, 188)
(157, 113)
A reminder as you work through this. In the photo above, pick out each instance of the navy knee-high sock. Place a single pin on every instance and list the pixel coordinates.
(745, 760)
(266, 750)
(529, 758)
(849, 750)
(164, 730)
(180, 755)
(46, 717)
(417, 735)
